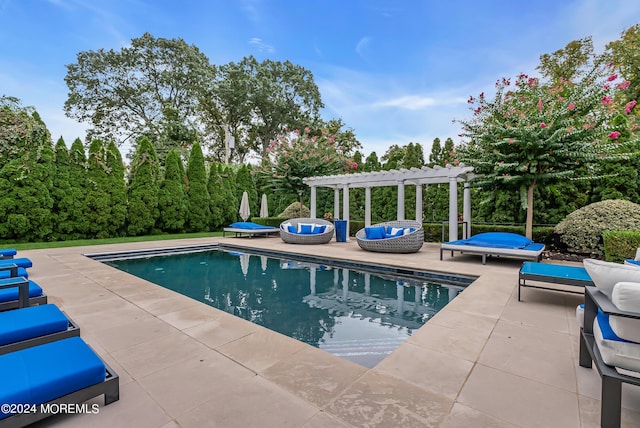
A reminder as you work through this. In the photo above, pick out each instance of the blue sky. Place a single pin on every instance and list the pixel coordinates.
(395, 71)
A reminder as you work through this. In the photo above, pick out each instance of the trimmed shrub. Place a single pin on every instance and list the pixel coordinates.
(197, 193)
(172, 199)
(620, 245)
(143, 190)
(295, 211)
(582, 230)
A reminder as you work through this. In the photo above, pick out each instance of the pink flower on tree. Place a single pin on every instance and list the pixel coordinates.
(614, 135)
(543, 125)
(571, 106)
(612, 77)
(630, 105)
(606, 100)
(540, 105)
(624, 85)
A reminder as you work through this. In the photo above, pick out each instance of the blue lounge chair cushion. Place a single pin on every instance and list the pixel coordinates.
(497, 240)
(605, 328)
(42, 373)
(34, 321)
(249, 225)
(632, 262)
(4, 274)
(22, 262)
(9, 294)
(376, 232)
(8, 252)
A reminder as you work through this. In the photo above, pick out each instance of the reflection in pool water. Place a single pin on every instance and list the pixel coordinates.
(356, 315)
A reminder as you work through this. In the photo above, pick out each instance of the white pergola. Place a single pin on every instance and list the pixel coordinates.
(400, 178)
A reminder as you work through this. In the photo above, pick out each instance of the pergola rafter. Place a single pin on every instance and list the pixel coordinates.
(400, 177)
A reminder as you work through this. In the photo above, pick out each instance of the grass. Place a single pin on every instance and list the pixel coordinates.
(124, 240)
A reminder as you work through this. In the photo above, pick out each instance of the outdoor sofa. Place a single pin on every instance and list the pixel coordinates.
(306, 231)
(400, 236)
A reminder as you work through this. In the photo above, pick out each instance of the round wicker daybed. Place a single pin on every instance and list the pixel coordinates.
(409, 243)
(298, 238)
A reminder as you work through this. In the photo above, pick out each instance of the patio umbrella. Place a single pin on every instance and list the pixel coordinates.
(264, 207)
(244, 210)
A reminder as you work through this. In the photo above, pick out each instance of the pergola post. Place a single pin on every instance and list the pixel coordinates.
(312, 206)
(400, 199)
(419, 202)
(367, 206)
(453, 209)
(345, 202)
(466, 211)
(336, 203)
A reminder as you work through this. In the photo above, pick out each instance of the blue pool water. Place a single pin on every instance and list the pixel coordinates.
(351, 313)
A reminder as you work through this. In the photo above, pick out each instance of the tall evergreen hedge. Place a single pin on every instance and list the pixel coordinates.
(172, 200)
(197, 193)
(98, 199)
(117, 190)
(143, 190)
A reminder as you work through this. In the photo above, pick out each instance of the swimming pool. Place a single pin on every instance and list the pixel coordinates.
(343, 309)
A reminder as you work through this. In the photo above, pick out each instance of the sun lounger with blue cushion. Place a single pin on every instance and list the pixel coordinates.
(22, 262)
(249, 228)
(11, 270)
(7, 253)
(32, 326)
(499, 244)
(20, 292)
(66, 372)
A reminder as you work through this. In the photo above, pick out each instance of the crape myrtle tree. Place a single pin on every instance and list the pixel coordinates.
(297, 155)
(537, 132)
(197, 193)
(172, 198)
(150, 87)
(144, 178)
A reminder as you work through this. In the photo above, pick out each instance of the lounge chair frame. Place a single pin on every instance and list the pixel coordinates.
(554, 274)
(297, 238)
(23, 294)
(239, 233)
(410, 243)
(110, 388)
(611, 397)
(72, 330)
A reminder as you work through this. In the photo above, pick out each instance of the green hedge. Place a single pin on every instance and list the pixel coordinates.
(620, 245)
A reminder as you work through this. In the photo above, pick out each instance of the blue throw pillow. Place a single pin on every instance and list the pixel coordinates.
(306, 229)
(317, 228)
(292, 229)
(377, 232)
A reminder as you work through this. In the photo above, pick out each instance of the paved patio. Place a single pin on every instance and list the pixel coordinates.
(485, 360)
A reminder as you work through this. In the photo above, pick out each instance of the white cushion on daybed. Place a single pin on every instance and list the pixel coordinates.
(626, 297)
(625, 355)
(607, 274)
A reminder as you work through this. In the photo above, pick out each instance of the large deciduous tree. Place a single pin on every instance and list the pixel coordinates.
(149, 88)
(535, 133)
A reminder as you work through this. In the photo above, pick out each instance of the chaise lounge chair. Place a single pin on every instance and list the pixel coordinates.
(45, 377)
(400, 236)
(7, 253)
(22, 262)
(249, 228)
(499, 244)
(32, 326)
(10, 270)
(306, 231)
(20, 292)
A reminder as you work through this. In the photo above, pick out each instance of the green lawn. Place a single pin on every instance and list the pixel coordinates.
(83, 242)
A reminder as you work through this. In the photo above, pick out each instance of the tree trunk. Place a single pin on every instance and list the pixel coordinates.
(529, 224)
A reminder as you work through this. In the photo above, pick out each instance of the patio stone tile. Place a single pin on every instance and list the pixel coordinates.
(261, 351)
(462, 416)
(459, 343)
(131, 334)
(385, 401)
(315, 376)
(197, 379)
(172, 304)
(135, 408)
(191, 316)
(262, 404)
(97, 317)
(543, 356)
(438, 372)
(518, 400)
(324, 420)
(154, 355)
(224, 329)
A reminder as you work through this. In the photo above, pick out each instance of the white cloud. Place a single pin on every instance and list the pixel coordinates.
(362, 47)
(261, 45)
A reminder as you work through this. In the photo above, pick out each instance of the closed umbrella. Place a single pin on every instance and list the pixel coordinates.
(244, 264)
(244, 210)
(264, 207)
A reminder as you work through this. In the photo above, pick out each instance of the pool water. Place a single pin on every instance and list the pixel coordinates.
(353, 314)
